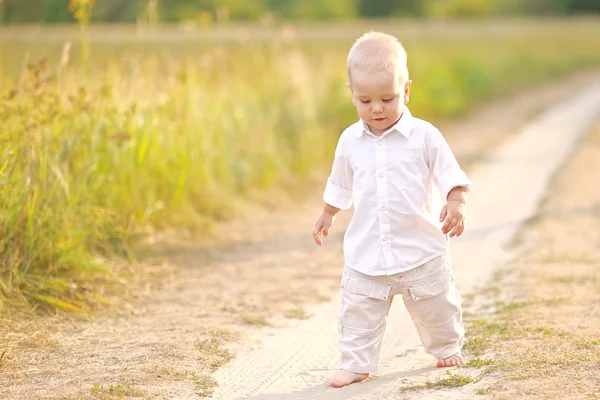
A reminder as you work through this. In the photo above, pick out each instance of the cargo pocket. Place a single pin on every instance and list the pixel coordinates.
(431, 288)
(365, 287)
(365, 304)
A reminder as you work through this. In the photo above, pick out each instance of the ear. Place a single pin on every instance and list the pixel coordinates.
(407, 91)
(349, 86)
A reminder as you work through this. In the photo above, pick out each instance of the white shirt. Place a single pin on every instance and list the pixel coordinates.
(396, 182)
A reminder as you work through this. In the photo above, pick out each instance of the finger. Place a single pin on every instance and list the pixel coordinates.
(319, 239)
(317, 234)
(452, 227)
(453, 231)
(316, 238)
(457, 230)
(451, 224)
(443, 213)
(447, 222)
(461, 228)
(326, 231)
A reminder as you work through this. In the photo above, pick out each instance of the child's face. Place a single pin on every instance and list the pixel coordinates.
(379, 98)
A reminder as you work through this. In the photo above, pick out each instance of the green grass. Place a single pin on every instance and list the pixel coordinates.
(115, 392)
(451, 381)
(479, 363)
(179, 135)
(212, 354)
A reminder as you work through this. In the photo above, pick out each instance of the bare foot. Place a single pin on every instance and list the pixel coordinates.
(343, 378)
(452, 361)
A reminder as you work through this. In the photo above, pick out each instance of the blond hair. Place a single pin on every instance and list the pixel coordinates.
(377, 51)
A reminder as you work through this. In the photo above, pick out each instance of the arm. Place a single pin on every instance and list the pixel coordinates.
(451, 181)
(445, 170)
(337, 196)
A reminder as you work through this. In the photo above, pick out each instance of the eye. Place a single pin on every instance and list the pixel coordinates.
(365, 101)
(388, 100)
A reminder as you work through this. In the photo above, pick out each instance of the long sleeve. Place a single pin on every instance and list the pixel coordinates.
(446, 171)
(338, 191)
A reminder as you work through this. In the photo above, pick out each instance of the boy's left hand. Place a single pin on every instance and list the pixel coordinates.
(453, 215)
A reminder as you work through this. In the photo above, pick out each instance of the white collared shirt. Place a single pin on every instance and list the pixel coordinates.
(396, 182)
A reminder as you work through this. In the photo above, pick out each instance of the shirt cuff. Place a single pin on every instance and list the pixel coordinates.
(337, 197)
(457, 180)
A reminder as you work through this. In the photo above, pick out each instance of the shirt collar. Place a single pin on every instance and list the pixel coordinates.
(403, 126)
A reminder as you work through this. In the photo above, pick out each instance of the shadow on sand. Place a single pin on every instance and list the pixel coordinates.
(323, 392)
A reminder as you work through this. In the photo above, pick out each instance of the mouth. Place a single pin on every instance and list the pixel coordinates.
(379, 119)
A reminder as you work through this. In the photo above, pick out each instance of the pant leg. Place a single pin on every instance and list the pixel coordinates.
(365, 302)
(434, 304)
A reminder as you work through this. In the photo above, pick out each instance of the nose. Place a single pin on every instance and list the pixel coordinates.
(377, 107)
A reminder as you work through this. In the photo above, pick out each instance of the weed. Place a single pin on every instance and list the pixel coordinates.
(205, 385)
(224, 335)
(476, 345)
(258, 320)
(212, 353)
(297, 313)
(451, 381)
(479, 362)
(115, 392)
(486, 390)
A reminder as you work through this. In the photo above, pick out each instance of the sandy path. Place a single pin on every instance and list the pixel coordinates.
(224, 293)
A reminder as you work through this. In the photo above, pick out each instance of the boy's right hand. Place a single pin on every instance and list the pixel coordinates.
(322, 227)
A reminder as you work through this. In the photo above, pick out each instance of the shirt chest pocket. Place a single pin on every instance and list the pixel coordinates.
(363, 167)
(409, 167)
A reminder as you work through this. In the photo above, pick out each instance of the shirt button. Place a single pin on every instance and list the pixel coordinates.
(380, 142)
(383, 207)
(385, 238)
(380, 174)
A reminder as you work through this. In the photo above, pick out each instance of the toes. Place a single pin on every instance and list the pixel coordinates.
(343, 379)
(452, 361)
(332, 383)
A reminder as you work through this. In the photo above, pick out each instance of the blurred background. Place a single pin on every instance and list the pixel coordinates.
(56, 11)
(121, 119)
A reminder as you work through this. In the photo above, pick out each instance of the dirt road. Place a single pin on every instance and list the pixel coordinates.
(257, 280)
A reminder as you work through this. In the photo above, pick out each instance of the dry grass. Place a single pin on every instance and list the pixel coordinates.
(205, 384)
(544, 342)
(115, 392)
(258, 320)
(296, 313)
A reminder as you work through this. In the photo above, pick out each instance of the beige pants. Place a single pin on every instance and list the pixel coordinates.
(430, 297)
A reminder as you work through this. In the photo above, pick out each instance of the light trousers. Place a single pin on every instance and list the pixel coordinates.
(430, 297)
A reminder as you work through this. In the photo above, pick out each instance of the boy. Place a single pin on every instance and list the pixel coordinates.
(389, 164)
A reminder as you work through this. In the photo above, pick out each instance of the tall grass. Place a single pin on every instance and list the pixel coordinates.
(157, 142)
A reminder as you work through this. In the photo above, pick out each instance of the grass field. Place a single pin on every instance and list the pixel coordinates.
(173, 129)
